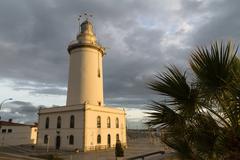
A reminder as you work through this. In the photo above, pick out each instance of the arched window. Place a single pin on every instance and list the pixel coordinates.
(59, 122)
(109, 140)
(47, 122)
(108, 122)
(71, 140)
(117, 137)
(99, 139)
(45, 139)
(117, 123)
(98, 122)
(72, 121)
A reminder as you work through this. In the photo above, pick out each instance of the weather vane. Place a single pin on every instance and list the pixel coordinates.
(86, 17)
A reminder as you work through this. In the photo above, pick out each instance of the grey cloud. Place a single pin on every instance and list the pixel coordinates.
(22, 107)
(19, 111)
(39, 88)
(52, 91)
(21, 103)
(223, 24)
(35, 34)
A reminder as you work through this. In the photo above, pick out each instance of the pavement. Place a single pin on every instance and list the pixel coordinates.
(11, 156)
(136, 147)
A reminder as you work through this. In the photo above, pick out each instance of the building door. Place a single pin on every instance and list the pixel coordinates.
(109, 140)
(58, 142)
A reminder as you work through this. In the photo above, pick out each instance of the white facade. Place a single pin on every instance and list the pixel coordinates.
(85, 130)
(112, 126)
(85, 123)
(17, 134)
(64, 131)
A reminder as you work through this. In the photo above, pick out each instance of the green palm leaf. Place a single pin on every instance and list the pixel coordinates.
(214, 67)
(161, 114)
(201, 117)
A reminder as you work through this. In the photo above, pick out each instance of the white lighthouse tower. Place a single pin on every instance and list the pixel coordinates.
(85, 123)
(85, 83)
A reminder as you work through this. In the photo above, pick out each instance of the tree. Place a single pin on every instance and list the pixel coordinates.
(201, 112)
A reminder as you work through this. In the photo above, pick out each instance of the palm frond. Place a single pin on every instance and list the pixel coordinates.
(214, 67)
(201, 118)
(180, 144)
(161, 114)
(173, 84)
(204, 132)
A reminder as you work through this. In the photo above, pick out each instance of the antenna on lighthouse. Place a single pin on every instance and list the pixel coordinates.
(79, 23)
(87, 15)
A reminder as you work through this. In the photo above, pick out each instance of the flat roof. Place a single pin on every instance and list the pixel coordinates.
(7, 123)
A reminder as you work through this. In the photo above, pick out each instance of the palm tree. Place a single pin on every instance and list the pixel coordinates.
(201, 113)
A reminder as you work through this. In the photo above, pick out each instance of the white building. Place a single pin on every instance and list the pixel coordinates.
(85, 123)
(17, 133)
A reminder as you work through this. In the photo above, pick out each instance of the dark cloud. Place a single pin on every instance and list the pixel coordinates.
(39, 88)
(221, 24)
(19, 111)
(141, 38)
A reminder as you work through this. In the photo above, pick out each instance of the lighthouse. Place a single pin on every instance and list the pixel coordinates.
(85, 123)
(85, 82)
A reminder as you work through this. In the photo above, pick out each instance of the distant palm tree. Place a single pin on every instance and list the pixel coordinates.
(201, 113)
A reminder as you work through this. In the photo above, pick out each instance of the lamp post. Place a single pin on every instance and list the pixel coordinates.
(1, 104)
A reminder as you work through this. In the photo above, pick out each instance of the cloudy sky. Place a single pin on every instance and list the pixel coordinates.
(141, 38)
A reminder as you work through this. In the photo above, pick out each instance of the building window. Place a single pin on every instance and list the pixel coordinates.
(117, 123)
(117, 137)
(109, 140)
(9, 130)
(47, 123)
(46, 139)
(59, 122)
(99, 139)
(108, 122)
(71, 140)
(98, 122)
(4, 130)
(72, 121)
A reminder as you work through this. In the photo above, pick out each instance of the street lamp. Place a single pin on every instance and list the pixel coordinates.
(1, 104)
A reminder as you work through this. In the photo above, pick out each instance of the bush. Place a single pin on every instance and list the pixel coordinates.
(119, 152)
